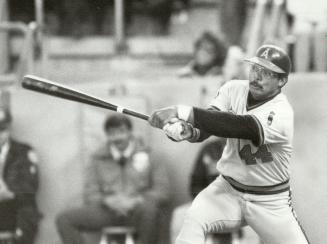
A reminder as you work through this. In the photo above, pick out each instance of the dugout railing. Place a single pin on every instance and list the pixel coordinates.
(22, 50)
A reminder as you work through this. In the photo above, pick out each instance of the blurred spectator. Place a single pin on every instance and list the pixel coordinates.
(123, 187)
(209, 57)
(18, 185)
(203, 173)
(309, 28)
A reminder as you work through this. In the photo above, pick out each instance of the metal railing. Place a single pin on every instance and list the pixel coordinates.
(26, 56)
(120, 42)
(32, 35)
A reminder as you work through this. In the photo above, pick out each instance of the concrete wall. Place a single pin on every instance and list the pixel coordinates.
(307, 93)
(61, 130)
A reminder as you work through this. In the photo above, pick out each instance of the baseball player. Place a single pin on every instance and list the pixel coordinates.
(253, 187)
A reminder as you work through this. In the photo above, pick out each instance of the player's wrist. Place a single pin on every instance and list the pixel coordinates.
(184, 112)
(190, 131)
(195, 135)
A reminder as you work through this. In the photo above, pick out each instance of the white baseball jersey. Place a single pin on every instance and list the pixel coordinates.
(268, 163)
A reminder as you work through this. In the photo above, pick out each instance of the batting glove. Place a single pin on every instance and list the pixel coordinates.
(178, 130)
(161, 117)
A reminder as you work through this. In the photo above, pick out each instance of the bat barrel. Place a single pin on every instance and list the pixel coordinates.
(44, 86)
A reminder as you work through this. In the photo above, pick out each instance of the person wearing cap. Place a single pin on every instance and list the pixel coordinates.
(209, 56)
(123, 186)
(18, 185)
(253, 187)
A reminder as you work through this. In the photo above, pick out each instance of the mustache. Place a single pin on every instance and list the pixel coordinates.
(254, 83)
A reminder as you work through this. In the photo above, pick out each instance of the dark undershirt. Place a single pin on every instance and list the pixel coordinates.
(224, 124)
(251, 101)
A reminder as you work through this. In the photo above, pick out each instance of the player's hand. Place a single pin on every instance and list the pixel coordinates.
(178, 130)
(162, 116)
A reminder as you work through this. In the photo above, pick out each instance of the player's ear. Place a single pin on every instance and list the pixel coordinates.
(282, 81)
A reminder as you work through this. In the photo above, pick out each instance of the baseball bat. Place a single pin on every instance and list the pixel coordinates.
(48, 87)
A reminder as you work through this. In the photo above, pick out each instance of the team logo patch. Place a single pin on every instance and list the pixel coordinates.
(265, 54)
(270, 117)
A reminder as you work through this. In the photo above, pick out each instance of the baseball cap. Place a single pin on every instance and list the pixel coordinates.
(5, 119)
(272, 58)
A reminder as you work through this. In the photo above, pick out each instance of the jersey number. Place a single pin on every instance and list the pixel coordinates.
(250, 158)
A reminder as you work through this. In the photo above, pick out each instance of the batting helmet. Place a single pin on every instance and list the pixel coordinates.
(272, 58)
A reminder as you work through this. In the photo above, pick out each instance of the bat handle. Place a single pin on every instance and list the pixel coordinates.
(132, 113)
(136, 114)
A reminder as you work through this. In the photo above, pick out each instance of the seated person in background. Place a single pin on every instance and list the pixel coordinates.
(123, 187)
(18, 185)
(204, 172)
(209, 57)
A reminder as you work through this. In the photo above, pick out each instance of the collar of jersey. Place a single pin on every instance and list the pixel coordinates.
(248, 108)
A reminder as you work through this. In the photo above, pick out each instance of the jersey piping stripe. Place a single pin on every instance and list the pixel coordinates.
(261, 132)
(214, 107)
(294, 214)
(258, 190)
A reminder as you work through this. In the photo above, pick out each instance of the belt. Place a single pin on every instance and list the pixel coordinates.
(258, 190)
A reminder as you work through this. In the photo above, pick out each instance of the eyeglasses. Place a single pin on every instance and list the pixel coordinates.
(263, 71)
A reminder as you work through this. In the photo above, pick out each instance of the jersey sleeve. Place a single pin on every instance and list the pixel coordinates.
(222, 98)
(275, 125)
